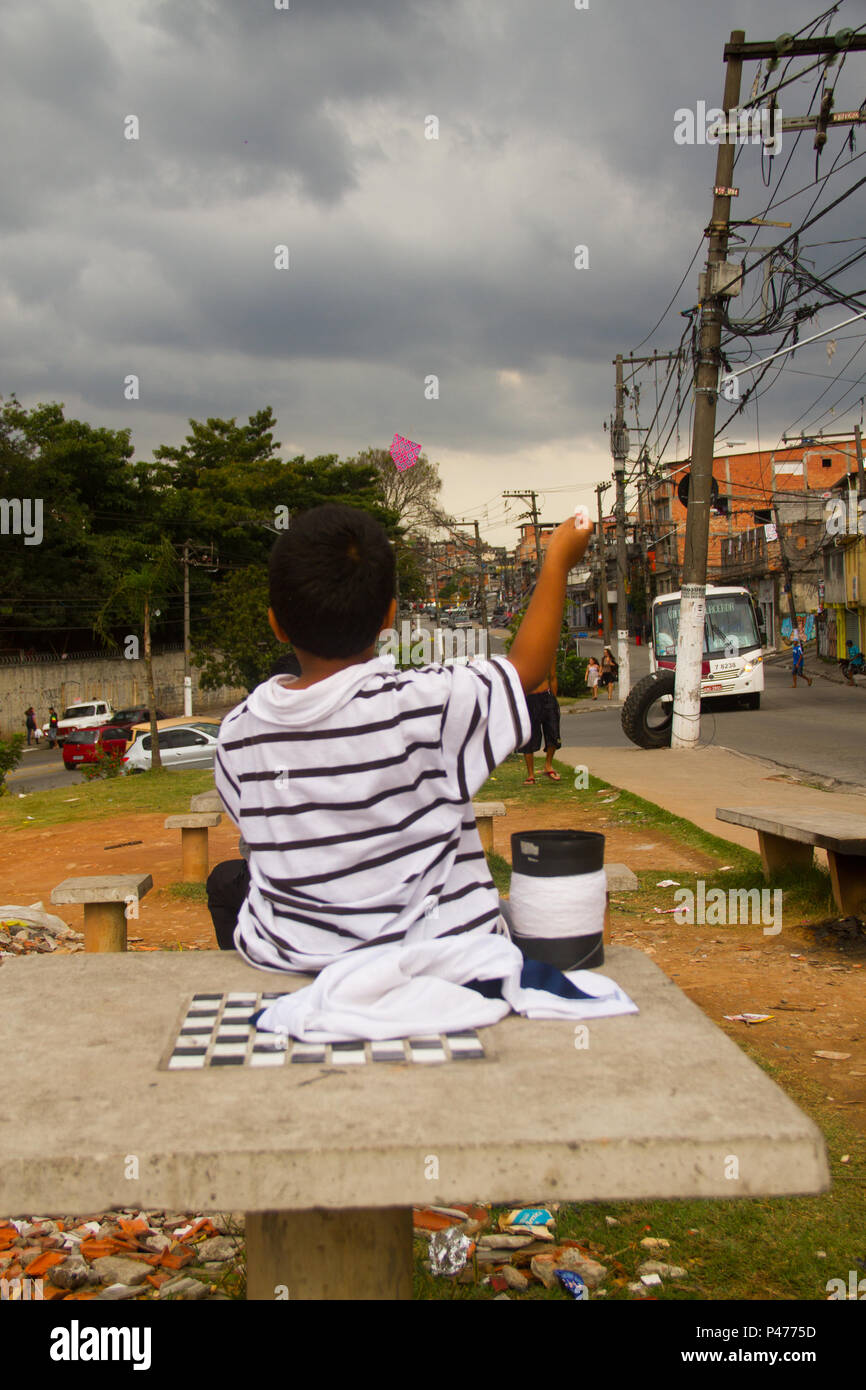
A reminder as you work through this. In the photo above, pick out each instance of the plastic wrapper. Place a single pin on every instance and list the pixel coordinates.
(573, 1284)
(449, 1251)
(534, 1220)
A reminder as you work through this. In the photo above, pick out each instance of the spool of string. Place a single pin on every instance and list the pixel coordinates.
(558, 897)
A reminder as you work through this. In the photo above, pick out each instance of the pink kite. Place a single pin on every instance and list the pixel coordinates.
(404, 452)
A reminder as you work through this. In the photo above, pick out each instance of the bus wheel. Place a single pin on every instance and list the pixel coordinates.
(647, 719)
(752, 701)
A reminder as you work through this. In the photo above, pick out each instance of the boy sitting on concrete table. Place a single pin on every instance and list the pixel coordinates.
(352, 783)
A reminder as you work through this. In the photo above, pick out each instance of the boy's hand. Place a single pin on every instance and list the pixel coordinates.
(569, 541)
(533, 650)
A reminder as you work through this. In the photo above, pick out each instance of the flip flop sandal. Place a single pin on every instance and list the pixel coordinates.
(529, 781)
(554, 776)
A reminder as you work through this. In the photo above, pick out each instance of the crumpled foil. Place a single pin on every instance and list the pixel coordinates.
(449, 1251)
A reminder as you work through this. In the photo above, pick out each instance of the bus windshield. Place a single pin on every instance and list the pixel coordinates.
(729, 628)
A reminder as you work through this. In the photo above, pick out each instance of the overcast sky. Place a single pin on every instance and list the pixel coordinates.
(409, 257)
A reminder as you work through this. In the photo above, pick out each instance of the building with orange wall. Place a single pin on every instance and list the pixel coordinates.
(766, 525)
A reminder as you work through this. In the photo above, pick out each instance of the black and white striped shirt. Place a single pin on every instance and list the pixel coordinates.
(354, 797)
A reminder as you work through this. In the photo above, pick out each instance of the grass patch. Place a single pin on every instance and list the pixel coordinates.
(187, 892)
(806, 894)
(166, 791)
(749, 1248)
(500, 872)
(506, 783)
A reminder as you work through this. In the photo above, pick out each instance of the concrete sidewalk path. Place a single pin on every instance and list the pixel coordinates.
(693, 783)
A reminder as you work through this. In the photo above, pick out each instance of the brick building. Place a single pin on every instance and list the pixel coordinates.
(766, 527)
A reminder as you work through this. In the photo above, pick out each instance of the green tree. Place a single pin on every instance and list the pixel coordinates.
(146, 573)
(10, 757)
(81, 480)
(411, 494)
(234, 644)
(570, 668)
(410, 572)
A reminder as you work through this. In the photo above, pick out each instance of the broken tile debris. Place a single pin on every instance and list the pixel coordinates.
(115, 1256)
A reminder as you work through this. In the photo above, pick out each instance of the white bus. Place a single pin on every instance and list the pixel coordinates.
(733, 661)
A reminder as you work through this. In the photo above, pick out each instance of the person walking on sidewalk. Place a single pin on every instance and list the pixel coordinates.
(799, 667)
(853, 660)
(30, 723)
(593, 676)
(52, 727)
(609, 671)
(543, 708)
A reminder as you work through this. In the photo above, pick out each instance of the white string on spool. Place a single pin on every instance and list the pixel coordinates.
(558, 906)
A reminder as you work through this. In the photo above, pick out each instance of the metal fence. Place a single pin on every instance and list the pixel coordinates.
(33, 658)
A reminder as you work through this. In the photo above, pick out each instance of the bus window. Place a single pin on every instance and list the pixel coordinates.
(666, 623)
(730, 626)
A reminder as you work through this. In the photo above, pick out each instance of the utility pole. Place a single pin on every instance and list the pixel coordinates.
(693, 597)
(483, 591)
(619, 443)
(619, 446)
(531, 497)
(786, 567)
(187, 677)
(641, 524)
(435, 579)
(714, 284)
(602, 562)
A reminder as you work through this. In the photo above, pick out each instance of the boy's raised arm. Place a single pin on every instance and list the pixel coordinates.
(534, 647)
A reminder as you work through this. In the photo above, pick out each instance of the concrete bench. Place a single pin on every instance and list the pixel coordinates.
(787, 842)
(620, 879)
(194, 827)
(484, 813)
(328, 1160)
(105, 900)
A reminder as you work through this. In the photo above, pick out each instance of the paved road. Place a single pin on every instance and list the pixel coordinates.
(818, 729)
(39, 769)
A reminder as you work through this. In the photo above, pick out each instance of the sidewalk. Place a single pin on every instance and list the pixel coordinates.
(828, 671)
(692, 783)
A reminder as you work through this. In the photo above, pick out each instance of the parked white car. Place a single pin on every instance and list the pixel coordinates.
(184, 745)
(89, 715)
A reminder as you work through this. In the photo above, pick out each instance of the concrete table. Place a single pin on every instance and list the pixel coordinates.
(328, 1161)
(105, 898)
(786, 842)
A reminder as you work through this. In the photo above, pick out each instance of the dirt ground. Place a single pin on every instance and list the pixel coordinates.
(814, 989)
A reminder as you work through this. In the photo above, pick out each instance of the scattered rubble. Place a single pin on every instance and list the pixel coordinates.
(115, 1256)
(32, 930)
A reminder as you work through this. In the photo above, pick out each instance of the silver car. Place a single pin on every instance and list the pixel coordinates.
(184, 745)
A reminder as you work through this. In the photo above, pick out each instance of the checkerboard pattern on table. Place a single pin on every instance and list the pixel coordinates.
(218, 1031)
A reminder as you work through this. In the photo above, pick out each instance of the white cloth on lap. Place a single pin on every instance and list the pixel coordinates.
(402, 991)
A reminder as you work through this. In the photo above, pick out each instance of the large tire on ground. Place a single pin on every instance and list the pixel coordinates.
(752, 701)
(645, 720)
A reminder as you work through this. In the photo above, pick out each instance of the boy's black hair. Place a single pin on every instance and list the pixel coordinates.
(331, 580)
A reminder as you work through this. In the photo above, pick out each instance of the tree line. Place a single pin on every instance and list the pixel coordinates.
(114, 532)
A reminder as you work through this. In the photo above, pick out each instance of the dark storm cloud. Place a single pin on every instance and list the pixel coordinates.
(408, 257)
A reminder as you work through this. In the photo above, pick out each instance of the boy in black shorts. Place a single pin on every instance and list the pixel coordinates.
(543, 709)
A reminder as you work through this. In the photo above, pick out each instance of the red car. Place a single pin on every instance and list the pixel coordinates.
(83, 746)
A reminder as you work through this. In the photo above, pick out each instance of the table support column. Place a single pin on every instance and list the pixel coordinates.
(848, 877)
(778, 854)
(194, 854)
(356, 1255)
(104, 927)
